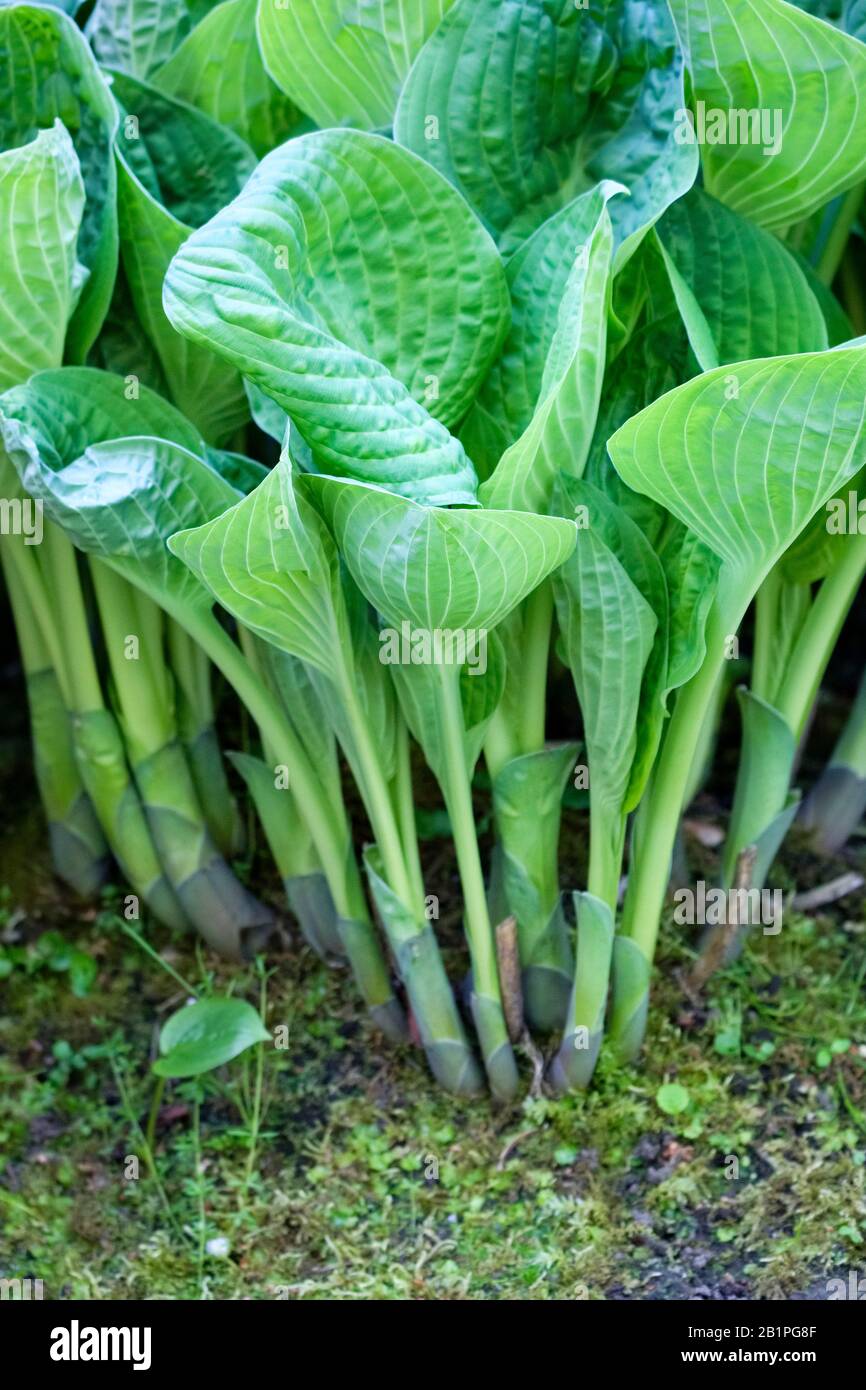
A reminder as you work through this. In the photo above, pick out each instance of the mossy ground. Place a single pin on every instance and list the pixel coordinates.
(368, 1183)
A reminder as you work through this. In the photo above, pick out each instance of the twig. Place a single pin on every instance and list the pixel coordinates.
(827, 892)
(510, 1147)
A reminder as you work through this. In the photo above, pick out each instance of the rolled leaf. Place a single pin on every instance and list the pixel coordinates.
(527, 805)
(568, 264)
(419, 964)
(574, 1063)
(79, 851)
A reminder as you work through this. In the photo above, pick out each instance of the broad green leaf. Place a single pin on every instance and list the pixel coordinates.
(74, 407)
(193, 166)
(784, 92)
(753, 294)
(658, 570)
(565, 393)
(71, 435)
(436, 568)
(850, 15)
(41, 203)
(356, 289)
(136, 36)
(270, 417)
(270, 561)
(840, 330)
(176, 168)
(50, 74)
(344, 61)
(218, 68)
(821, 544)
(524, 104)
(692, 575)
(746, 456)
(655, 359)
(441, 579)
(243, 473)
(207, 1034)
(121, 500)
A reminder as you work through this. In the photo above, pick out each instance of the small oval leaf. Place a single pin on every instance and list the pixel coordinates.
(203, 1036)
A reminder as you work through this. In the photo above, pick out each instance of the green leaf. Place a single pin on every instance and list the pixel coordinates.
(117, 498)
(609, 630)
(850, 15)
(342, 61)
(41, 204)
(50, 74)
(122, 500)
(672, 1098)
(218, 68)
(693, 317)
(524, 104)
(206, 1035)
(547, 384)
(74, 407)
(451, 575)
(82, 973)
(745, 456)
(355, 288)
(123, 346)
(821, 544)
(527, 805)
(270, 561)
(764, 56)
(761, 793)
(438, 568)
(304, 705)
(574, 1063)
(194, 165)
(176, 168)
(136, 35)
(753, 294)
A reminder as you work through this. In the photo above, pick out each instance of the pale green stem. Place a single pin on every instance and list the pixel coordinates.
(537, 622)
(818, 636)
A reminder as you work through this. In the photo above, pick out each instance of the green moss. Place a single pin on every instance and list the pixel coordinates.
(371, 1184)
